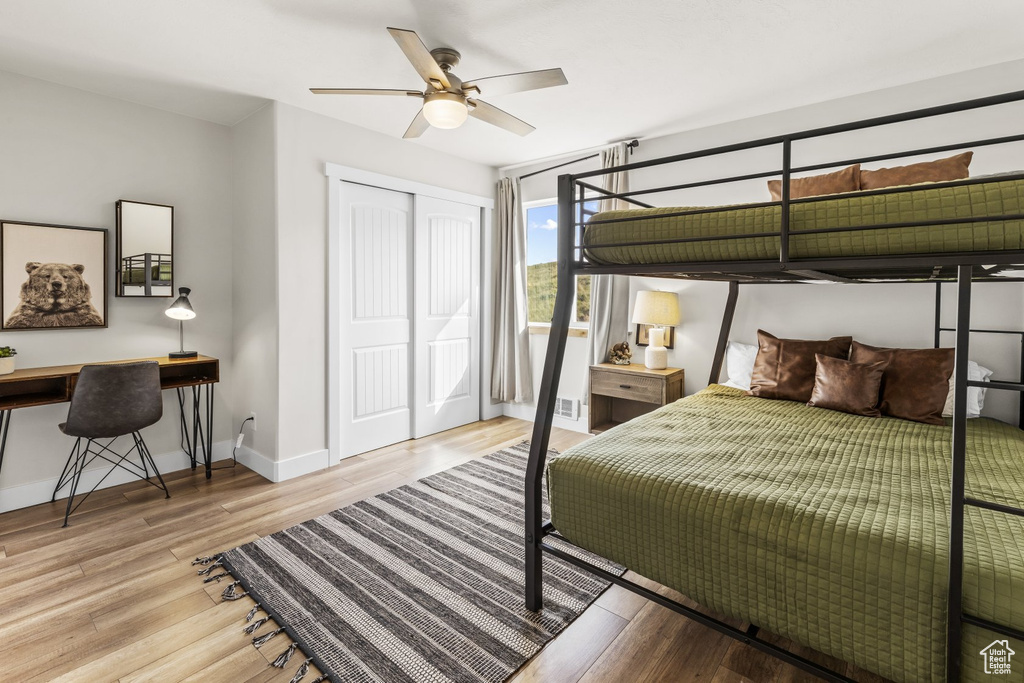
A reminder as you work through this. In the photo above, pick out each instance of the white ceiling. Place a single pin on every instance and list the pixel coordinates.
(634, 68)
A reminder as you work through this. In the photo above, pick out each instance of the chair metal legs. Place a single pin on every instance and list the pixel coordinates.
(82, 456)
(146, 455)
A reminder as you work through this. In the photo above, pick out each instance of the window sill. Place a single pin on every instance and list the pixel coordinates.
(540, 328)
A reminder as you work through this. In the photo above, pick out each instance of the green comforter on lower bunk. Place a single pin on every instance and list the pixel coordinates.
(826, 528)
(918, 203)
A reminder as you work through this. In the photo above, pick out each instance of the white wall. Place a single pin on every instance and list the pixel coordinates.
(254, 285)
(68, 156)
(305, 142)
(899, 315)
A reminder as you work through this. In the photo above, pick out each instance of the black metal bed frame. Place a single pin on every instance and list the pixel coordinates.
(961, 268)
(145, 263)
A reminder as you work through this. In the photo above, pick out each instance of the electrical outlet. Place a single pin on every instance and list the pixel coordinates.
(252, 421)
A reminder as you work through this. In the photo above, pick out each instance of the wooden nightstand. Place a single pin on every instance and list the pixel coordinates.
(621, 392)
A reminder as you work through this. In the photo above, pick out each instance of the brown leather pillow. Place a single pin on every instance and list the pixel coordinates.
(843, 180)
(950, 168)
(784, 368)
(847, 386)
(915, 382)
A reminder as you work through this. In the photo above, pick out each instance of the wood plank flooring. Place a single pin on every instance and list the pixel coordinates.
(114, 597)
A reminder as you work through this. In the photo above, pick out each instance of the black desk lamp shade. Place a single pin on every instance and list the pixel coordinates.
(181, 310)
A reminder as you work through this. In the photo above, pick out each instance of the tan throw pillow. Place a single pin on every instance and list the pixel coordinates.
(843, 180)
(915, 381)
(847, 386)
(950, 168)
(784, 368)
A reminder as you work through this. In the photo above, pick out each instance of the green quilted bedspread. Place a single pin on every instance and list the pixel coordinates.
(826, 528)
(984, 199)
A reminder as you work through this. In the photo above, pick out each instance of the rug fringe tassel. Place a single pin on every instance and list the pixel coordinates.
(301, 673)
(210, 568)
(255, 608)
(213, 562)
(230, 594)
(255, 626)
(260, 641)
(285, 657)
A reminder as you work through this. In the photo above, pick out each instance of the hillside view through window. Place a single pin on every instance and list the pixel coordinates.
(542, 271)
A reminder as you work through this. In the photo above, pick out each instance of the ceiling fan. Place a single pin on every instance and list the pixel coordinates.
(447, 100)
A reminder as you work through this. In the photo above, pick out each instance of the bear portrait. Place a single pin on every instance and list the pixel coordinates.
(54, 295)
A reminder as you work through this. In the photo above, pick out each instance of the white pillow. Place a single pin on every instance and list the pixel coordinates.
(739, 364)
(975, 395)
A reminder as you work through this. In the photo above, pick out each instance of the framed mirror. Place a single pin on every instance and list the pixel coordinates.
(145, 249)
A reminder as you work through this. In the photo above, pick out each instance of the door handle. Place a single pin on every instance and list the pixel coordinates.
(625, 386)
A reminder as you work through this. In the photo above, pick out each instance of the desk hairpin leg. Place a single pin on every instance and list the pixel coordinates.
(186, 444)
(199, 438)
(5, 423)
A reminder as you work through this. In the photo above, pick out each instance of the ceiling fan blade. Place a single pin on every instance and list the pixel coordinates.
(364, 91)
(496, 117)
(418, 126)
(509, 83)
(417, 53)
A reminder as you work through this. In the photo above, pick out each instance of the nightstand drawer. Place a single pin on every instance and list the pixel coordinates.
(623, 385)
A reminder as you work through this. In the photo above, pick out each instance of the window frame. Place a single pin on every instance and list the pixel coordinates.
(581, 328)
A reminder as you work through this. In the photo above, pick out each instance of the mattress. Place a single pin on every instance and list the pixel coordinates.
(917, 203)
(137, 276)
(826, 528)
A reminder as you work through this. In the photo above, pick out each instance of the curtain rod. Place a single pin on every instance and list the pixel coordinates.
(629, 145)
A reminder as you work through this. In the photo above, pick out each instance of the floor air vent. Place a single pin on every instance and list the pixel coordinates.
(568, 408)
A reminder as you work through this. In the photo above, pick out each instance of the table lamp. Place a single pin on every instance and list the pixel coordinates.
(656, 309)
(181, 310)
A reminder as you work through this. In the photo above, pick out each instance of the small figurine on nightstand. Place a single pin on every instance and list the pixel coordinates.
(620, 354)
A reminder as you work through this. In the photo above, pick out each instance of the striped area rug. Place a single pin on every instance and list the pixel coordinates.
(422, 583)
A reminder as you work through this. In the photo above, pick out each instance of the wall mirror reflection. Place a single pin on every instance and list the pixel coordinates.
(145, 239)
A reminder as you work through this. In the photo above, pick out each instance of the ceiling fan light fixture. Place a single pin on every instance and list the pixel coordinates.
(445, 109)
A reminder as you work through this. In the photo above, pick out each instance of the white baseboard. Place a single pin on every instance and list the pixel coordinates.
(528, 412)
(489, 411)
(280, 470)
(27, 495)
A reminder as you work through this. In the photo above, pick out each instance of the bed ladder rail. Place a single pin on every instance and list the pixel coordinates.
(956, 617)
(993, 384)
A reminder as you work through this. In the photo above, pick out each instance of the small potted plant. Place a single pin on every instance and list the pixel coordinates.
(7, 355)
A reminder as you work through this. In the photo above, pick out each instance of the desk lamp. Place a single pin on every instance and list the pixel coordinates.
(181, 310)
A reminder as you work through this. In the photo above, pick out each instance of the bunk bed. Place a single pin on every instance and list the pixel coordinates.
(800, 521)
(147, 271)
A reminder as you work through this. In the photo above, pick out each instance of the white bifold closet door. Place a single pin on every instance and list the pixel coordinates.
(447, 322)
(376, 329)
(410, 320)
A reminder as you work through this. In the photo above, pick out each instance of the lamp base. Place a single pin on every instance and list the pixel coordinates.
(656, 358)
(177, 355)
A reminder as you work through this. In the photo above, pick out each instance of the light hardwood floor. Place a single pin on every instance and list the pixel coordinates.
(114, 596)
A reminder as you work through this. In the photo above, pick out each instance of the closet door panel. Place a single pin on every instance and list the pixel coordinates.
(376, 325)
(447, 319)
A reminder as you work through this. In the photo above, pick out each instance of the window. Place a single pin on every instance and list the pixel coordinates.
(542, 270)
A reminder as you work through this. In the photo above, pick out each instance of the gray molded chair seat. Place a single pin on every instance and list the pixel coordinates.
(111, 401)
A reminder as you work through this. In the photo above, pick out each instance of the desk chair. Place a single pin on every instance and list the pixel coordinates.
(111, 401)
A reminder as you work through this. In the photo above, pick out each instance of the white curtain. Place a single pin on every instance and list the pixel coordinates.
(511, 377)
(609, 294)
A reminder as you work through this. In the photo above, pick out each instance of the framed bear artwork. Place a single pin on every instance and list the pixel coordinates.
(53, 276)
